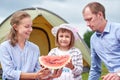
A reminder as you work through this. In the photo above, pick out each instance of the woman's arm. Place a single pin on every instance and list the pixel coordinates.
(42, 74)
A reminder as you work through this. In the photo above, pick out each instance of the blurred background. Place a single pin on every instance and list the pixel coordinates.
(70, 10)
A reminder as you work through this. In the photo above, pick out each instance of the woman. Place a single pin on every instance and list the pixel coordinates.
(19, 57)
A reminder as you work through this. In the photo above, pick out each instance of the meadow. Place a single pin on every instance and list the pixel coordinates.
(85, 74)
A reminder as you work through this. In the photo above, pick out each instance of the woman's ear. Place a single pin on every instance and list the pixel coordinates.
(15, 26)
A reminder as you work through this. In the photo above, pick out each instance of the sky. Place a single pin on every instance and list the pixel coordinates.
(69, 10)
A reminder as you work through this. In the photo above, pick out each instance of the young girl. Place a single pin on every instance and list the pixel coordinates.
(65, 37)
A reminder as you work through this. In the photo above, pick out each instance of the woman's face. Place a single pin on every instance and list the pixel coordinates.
(64, 39)
(24, 28)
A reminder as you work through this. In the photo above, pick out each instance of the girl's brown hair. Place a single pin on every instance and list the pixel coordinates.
(65, 30)
(15, 20)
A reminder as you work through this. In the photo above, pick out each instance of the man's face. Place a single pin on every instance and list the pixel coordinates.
(92, 20)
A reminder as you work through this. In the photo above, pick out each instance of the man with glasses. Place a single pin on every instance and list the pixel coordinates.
(105, 42)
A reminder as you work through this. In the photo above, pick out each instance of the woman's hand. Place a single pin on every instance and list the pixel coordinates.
(56, 73)
(43, 73)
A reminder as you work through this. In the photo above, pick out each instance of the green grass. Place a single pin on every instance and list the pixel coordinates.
(85, 76)
(104, 71)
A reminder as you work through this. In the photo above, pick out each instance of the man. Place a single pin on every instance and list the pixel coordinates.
(105, 42)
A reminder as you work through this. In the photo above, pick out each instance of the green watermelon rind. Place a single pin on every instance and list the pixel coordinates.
(54, 67)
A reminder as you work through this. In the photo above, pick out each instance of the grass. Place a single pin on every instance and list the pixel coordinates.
(85, 76)
(104, 71)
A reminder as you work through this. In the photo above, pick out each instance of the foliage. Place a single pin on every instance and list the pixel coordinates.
(86, 37)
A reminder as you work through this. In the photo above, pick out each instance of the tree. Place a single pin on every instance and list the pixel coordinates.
(87, 37)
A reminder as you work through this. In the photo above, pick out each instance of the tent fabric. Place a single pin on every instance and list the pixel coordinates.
(43, 21)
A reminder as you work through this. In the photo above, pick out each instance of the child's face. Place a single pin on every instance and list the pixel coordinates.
(64, 39)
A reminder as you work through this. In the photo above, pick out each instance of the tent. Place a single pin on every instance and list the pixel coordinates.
(43, 21)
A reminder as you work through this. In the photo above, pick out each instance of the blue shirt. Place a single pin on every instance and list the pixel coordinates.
(105, 47)
(15, 60)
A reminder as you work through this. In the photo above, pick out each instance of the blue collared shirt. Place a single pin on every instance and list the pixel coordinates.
(14, 60)
(105, 47)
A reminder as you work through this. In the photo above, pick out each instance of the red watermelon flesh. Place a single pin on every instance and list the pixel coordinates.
(54, 62)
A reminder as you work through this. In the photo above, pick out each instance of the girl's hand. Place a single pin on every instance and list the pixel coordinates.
(70, 65)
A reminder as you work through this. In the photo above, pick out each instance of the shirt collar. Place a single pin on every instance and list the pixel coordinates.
(106, 30)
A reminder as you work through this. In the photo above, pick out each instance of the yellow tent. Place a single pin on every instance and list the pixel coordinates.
(43, 21)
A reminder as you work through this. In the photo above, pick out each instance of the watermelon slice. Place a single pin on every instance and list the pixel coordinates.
(54, 62)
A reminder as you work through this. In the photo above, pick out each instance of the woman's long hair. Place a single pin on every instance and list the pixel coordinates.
(15, 20)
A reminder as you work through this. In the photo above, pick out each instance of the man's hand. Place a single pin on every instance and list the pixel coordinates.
(111, 76)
